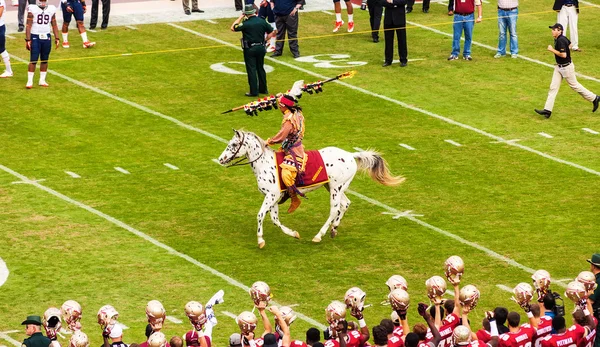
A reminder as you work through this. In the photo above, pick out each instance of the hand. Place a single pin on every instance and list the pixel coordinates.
(357, 314)
(489, 315)
(84, 8)
(69, 9)
(541, 294)
(466, 309)
(293, 13)
(550, 48)
(106, 332)
(274, 310)
(261, 305)
(28, 45)
(422, 309)
(401, 313)
(582, 304)
(478, 20)
(57, 42)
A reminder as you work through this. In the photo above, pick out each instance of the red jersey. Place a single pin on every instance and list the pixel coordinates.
(395, 341)
(478, 343)
(544, 329)
(354, 338)
(331, 343)
(588, 340)
(567, 339)
(446, 329)
(398, 331)
(298, 343)
(484, 335)
(521, 338)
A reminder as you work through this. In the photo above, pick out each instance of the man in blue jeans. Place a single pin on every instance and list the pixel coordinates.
(464, 20)
(507, 21)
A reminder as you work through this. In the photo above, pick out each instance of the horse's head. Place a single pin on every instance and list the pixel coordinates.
(235, 148)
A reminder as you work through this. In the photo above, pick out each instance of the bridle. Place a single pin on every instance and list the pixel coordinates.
(240, 161)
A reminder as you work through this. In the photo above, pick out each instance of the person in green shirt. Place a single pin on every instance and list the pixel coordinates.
(33, 328)
(253, 31)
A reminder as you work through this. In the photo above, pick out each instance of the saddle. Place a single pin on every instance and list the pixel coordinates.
(314, 171)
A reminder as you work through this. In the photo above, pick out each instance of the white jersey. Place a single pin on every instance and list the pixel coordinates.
(2, 4)
(41, 19)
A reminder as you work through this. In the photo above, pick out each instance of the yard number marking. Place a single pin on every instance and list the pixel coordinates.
(3, 272)
(333, 61)
(221, 67)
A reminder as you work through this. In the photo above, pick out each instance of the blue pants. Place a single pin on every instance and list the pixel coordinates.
(77, 11)
(507, 21)
(2, 38)
(40, 49)
(466, 24)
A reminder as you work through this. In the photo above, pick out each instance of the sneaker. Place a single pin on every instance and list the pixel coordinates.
(198, 10)
(43, 84)
(65, 44)
(6, 74)
(216, 299)
(350, 27)
(338, 25)
(498, 55)
(544, 113)
(453, 57)
(89, 44)
(29, 86)
(270, 49)
(595, 103)
(514, 56)
(467, 57)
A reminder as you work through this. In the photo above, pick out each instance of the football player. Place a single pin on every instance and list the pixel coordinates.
(414, 339)
(393, 340)
(451, 321)
(3, 52)
(463, 337)
(517, 336)
(338, 15)
(580, 320)
(75, 8)
(38, 39)
(542, 324)
(203, 320)
(570, 337)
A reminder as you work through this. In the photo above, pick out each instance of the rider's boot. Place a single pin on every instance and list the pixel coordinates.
(295, 202)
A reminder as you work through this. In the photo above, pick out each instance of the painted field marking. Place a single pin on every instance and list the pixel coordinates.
(229, 314)
(216, 161)
(507, 141)
(174, 320)
(123, 326)
(10, 37)
(548, 136)
(563, 281)
(504, 288)
(72, 174)
(589, 3)
(454, 143)
(496, 48)
(120, 169)
(171, 166)
(450, 292)
(358, 149)
(126, 54)
(402, 214)
(590, 131)
(407, 147)
(28, 181)
(11, 331)
(92, 30)
(3, 273)
(131, 27)
(397, 102)
(328, 12)
(211, 21)
(4, 336)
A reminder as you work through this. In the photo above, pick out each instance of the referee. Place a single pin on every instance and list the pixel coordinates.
(253, 30)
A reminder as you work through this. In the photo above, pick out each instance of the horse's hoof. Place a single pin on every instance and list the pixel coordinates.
(261, 244)
(333, 233)
(316, 239)
(296, 235)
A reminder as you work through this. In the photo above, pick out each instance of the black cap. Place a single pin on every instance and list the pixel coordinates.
(557, 26)
(270, 340)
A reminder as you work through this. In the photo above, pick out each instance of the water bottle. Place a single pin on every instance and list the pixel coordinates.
(363, 5)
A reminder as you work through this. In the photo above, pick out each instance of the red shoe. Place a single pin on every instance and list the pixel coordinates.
(350, 27)
(29, 86)
(338, 25)
(89, 44)
(43, 84)
(65, 44)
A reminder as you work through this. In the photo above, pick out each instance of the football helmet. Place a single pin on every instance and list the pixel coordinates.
(196, 313)
(355, 299)
(41, 3)
(436, 288)
(288, 314)
(395, 318)
(157, 339)
(523, 293)
(469, 296)
(156, 314)
(52, 322)
(71, 312)
(395, 282)
(260, 292)
(541, 280)
(335, 312)
(576, 291)
(79, 339)
(454, 268)
(399, 299)
(588, 279)
(461, 335)
(247, 322)
(107, 316)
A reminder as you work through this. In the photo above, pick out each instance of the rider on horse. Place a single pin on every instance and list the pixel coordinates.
(290, 136)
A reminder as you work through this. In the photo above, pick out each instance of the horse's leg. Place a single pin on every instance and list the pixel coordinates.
(335, 198)
(274, 211)
(268, 202)
(345, 203)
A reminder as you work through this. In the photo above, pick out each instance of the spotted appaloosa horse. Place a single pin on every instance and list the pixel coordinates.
(341, 167)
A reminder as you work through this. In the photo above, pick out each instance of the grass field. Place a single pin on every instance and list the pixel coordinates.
(506, 207)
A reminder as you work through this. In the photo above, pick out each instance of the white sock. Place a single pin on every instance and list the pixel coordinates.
(338, 17)
(65, 37)
(43, 76)
(30, 78)
(6, 59)
(351, 18)
(84, 37)
(274, 38)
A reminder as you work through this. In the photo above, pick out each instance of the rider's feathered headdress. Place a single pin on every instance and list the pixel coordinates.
(290, 98)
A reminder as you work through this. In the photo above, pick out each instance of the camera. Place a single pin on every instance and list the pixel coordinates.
(363, 5)
(559, 310)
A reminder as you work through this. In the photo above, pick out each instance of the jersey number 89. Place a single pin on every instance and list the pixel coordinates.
(43, 19)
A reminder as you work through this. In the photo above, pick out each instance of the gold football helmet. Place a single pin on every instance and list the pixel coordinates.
(395, 318)
(107, 316)
(196, 313)
(288, 314)
(469, 296)
(71, 312)
(399, 299)
(461, 335)
(541, 280)
(79, 339)
(355, 299)
(395, 282)
(523, 293)
(576, 291)
(454, 268)
(436, 288)
(335, 312)
(260, 292)
(247, 322)
(156, 314)
(157, 339)
(588, 279)
(52, 322)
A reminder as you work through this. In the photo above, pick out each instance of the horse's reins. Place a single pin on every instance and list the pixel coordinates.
(239, 162)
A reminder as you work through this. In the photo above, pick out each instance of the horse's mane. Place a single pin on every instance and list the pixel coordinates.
(262, 142)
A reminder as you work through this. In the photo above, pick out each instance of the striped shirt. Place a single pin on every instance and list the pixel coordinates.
(506, 4)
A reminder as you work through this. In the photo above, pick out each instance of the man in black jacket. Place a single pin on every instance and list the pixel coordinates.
(568, 13)
(395, 20)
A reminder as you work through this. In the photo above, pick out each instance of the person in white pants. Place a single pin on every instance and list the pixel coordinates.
(564, 68)
(3, 52)
(568, 11)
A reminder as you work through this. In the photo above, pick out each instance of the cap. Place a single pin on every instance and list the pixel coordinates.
(191, 338)
(36, 320)
(594, 261)
(557, 26)
(235, 339)
(116, 332)
(249, 9)
(287, 100)
(270, 340)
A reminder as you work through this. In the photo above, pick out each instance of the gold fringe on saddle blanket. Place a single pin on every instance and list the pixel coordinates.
(314, 170)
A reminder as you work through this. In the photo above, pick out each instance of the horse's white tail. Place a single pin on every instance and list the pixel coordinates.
(377, 168)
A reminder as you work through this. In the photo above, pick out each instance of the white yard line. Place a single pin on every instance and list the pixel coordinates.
(403, 104)
(29, 181)
(123, 326)
(548, 136)
(10, 331)
(407, 146)
(358, 149)
(171, 166)
(120, 169)
(4, 336)
(3, 275)
(496, 48)
(504, 288)
(174, 320)
(211, 21)
(454, 143)
(72, 174)
(216, 161)
(588, 3)
(590, 131)
(450, 292)
(229, 314)
(92, 30)
(10, 37)
(131, 27)
(328, 12)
